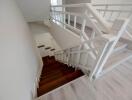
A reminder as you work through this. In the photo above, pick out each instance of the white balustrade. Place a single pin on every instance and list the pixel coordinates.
(88, 55)
(111, 12)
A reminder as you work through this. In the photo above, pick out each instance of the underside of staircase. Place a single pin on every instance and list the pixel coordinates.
(55, 74)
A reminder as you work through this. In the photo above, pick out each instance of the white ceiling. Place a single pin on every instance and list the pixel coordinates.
(34, 10)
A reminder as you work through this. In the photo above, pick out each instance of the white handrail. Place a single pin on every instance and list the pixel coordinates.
(100, 19)
(69, 20)
(71, 5)
(110, 4)
(111, 12)
(92, 10)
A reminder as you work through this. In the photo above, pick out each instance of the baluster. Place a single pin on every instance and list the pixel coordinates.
(93, 34)
(58, 15)
(106, 8)
(61, 17)
(55, 17)
(64, 17)
(92, 37)
(110, 16)
(53, 13)
(60, 57)
(118, 15)
(87, 57)
(83, 26)
(69, 19)
(64, 56)
(68, 58)
(75, 21)
(78, 55)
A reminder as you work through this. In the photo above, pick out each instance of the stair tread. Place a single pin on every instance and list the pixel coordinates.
(59, 82)
(55, 74)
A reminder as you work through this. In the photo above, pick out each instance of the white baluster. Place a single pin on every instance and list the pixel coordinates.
(78, 55)
(110, 16)
(64, 17)
(83, 26)
(106, 7)
(75, 21)
(69, 20)
(119, 14)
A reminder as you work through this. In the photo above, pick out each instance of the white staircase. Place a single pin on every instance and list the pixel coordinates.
(101, 49)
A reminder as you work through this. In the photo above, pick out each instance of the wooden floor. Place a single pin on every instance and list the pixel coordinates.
(116, 85)
(55, 74)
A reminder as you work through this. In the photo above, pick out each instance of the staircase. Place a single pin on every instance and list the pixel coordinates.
(55, 74)
(102, 49)
(101, 34)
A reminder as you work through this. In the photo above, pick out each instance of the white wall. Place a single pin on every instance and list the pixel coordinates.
(64, 38)
(19, 61)
(35, 10)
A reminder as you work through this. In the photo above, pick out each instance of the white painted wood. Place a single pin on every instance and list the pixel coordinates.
(121, 10)
(75, 21)
(69, 19)
(120, 31)
(99, 18)
(100, 27)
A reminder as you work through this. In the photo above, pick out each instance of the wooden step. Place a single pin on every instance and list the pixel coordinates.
(55, 74)
(59, 82)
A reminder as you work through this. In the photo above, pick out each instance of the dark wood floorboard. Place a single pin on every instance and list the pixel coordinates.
(55, 74)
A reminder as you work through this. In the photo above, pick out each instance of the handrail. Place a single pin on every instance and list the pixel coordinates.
(107, 11)
(110, 10)
(92, 10)
(90, 42)
(71, 13)
(110, 4)
(71, 5)
(101, 20)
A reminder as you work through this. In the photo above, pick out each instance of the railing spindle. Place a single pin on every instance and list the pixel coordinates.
(83, 26)
(106, 7)
(110, 16)
(69, 19)
(75, 21)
